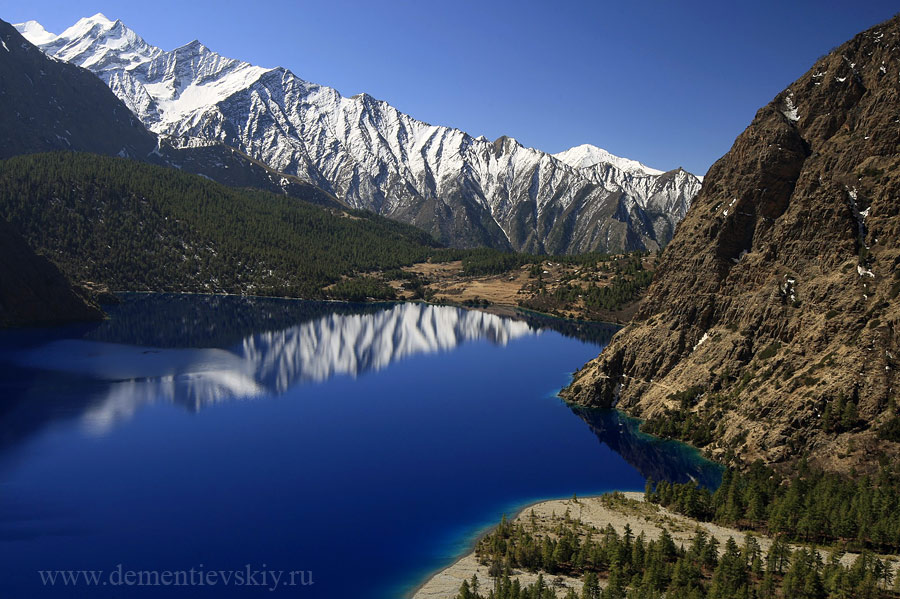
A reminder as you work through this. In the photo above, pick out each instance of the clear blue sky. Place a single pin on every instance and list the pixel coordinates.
(669, 83)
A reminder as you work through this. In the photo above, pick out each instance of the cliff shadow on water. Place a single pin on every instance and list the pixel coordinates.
(655, 458)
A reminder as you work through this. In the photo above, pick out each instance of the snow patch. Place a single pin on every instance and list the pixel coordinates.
(789, 110)
(864, 271)
(787, 288)
(702, 341)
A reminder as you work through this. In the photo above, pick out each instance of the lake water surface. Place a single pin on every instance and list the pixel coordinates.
(361, 447)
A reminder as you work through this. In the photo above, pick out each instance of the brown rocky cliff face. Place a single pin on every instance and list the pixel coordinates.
(778, 293)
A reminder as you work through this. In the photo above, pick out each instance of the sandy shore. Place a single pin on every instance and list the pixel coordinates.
(618, 510)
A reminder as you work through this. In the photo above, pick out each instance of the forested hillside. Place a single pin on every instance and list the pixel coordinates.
(134, 226)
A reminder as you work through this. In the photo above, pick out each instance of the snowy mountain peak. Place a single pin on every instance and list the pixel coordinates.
(466, 191)
(588, 156)
(192, 46)
(96, 43)
(505, 142)
(99, 18)
(35, 32)
(85, 25)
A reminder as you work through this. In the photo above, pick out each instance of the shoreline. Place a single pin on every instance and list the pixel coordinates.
(505, 310)
(615, 508)
(470, 550)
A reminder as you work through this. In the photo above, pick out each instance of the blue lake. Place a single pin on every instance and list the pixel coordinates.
(362, 447)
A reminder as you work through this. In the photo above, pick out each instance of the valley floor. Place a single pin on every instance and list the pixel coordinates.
(447, 283)
(617, 509)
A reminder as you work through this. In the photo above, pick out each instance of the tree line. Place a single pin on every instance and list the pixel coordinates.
(813, 506)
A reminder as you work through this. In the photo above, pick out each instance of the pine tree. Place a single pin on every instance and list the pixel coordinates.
(591, 588)
(710, 555)
(849, 416)
(649, 496)
(752, 554)
(778, 555)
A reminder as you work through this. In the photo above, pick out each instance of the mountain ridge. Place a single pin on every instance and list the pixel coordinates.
(464, 190)
(55, 105)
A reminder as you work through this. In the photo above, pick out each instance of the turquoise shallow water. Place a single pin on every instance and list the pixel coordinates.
(363, 446)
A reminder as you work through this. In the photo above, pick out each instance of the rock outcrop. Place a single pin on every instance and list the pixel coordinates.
(777, 298)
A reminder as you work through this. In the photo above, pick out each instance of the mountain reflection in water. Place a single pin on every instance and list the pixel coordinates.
(267, 363)
(372, 423)
(196, 351)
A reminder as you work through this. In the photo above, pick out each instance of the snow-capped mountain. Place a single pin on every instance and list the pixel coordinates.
(465, 190)
(587, 156)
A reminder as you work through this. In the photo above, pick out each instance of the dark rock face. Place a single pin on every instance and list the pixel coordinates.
(32, 290)
(778, 293)
(51, 105)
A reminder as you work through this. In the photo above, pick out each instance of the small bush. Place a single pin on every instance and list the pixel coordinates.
(770, 351)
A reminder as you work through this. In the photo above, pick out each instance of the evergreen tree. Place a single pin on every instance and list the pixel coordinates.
(591, 588)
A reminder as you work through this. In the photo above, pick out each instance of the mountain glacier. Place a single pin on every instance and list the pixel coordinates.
(466, 191)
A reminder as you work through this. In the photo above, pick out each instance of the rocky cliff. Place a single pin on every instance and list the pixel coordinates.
(773, 321)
